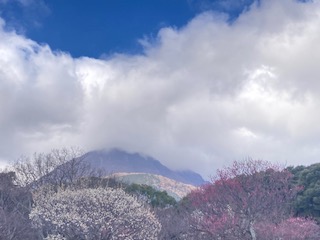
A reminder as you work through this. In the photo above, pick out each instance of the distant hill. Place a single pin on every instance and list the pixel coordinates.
(118, 161)
(175, 189)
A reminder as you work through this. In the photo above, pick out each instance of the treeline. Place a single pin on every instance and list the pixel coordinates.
(59, 196)
(307, 201)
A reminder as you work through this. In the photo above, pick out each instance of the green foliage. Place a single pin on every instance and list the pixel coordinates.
(154, 197)
(307, 203)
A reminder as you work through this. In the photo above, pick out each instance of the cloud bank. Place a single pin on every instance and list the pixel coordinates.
(200, 97)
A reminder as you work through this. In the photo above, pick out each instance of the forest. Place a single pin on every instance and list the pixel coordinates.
(57, 196)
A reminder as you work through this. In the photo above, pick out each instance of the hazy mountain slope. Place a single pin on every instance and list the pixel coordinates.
(115, 161)
(175, 189)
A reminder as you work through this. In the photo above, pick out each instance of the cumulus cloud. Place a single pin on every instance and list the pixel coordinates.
(198, 98)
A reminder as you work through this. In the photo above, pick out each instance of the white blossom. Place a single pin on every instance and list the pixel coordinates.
(102, 213)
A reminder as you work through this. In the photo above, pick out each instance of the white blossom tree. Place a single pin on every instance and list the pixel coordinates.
(101, 214)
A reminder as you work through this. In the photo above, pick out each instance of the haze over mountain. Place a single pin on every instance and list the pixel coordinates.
(118, 161)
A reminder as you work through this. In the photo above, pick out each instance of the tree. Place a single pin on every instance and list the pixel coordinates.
(15, 206)
(289, 229)
(100, 214)
(152, 196)
(175, 221)
(58, 167)
(241, 196)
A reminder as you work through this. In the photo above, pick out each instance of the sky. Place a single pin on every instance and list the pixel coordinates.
(196, 84)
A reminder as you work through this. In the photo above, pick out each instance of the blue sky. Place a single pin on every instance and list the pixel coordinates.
(196, 84)
(98, 27)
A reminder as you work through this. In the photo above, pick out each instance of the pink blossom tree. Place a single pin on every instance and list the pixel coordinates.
(241, 196)
(289, 229)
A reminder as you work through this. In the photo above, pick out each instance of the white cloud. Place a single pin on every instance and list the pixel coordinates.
(200, 97)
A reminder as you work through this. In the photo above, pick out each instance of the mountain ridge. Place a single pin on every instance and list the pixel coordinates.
(119, 161)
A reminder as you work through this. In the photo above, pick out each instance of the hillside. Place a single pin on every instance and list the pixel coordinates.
(175, 189)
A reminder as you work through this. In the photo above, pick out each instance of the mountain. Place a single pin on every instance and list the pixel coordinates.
(118, 161)
(175, 189)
